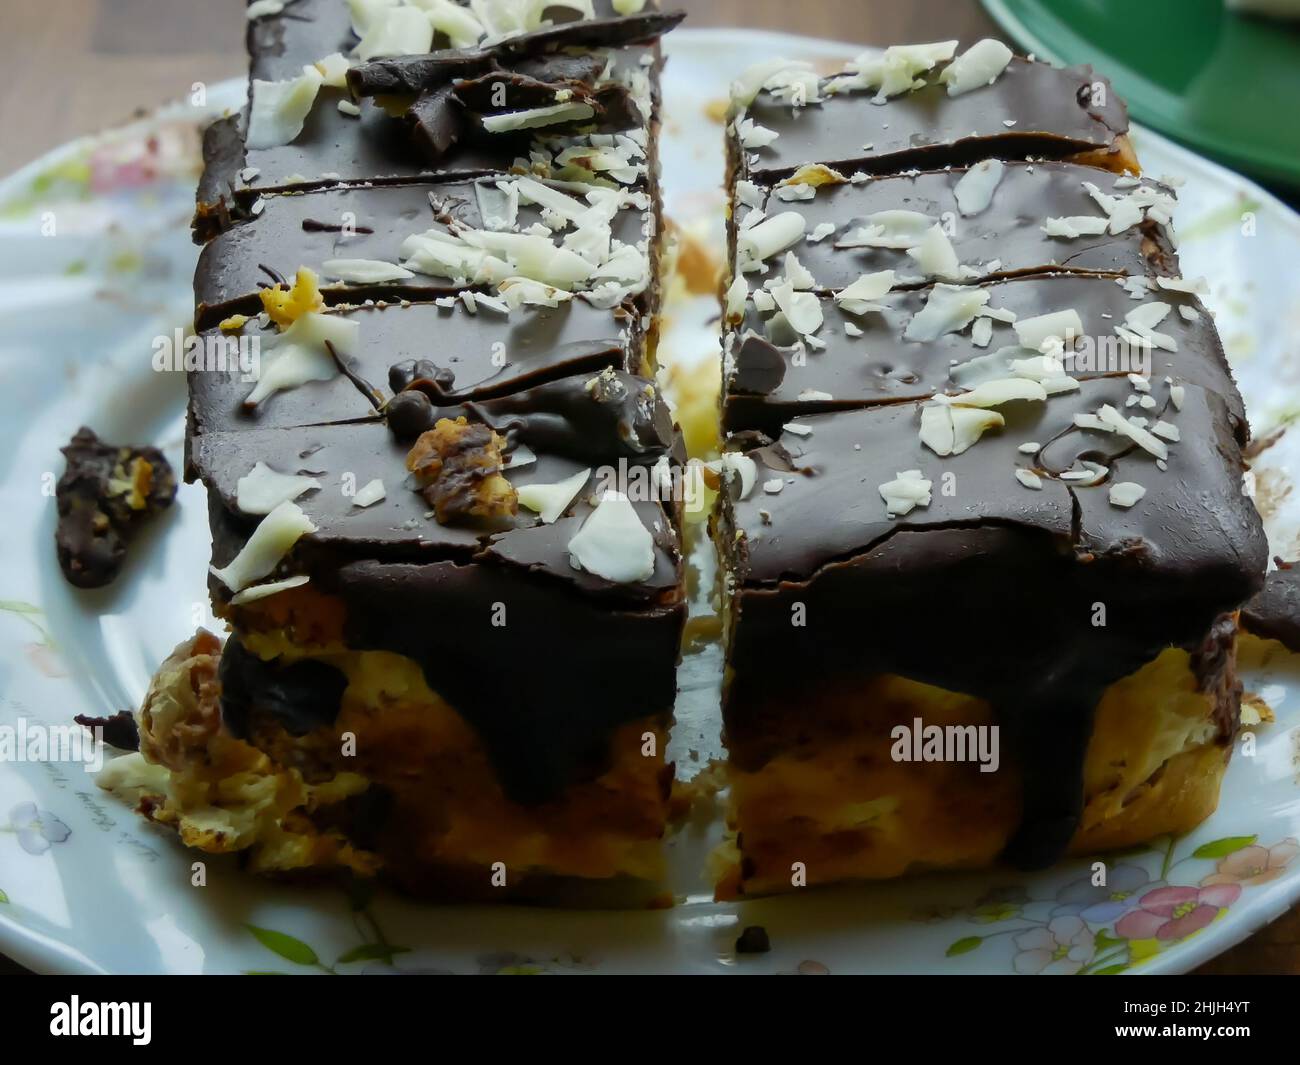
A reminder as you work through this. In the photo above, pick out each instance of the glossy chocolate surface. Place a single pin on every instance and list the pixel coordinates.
(880, 366)
(551, 433)
(1030, 110)
(545, 393)
(386, 142)
(479, 356)
(1274, 614)
(292, 231)
(540, 688)
(993, 589)
(1003, 239)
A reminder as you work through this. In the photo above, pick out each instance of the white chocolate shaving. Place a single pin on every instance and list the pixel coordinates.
(1002, 390)
(263, 489)
(1055, 327)
(1075, 226)
(936, 256)
(396, 31)
(770, 237)
(949, 430)
(613, 543)
(364, 271)
(299, 355)
(741, 466)
(536, 117)
(981, 64)
(460, 26)
(333, 70)
(273, 538)
(908, 491)
(860, 296)
(498, 203)
(894, 72)
(974, 191)
(1126, 493)
(888, 229)
(369, 494)
(279, 109)
(261, 591)
(550, 501)
(948, 309)
(752, 135)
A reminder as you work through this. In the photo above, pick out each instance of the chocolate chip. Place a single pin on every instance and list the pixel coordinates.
(120, 729)
(409, 414)
(760, 367)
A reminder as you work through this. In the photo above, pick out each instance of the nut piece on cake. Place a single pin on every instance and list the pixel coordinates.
(458, 467)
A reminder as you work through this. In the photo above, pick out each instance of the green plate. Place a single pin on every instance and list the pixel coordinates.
(1222, 82)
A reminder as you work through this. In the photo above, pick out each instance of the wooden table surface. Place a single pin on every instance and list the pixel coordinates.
(75, 66)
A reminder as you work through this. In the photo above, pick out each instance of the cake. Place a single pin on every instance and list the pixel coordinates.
(982, 520)
(446, 539)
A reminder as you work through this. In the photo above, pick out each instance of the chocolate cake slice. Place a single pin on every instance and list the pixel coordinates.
(982, 518)
(445, 492)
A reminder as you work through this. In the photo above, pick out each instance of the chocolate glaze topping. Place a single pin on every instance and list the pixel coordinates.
(478, 357)
(1013, 544)
(546, 394)
(419, 588)
(418, 73)
(1025, 568)
(880, 366)
(1274, 614)
(1004, 239)
(1054, 114)
(309, 230)
(419, 138)
(543, 692)
(552, 432)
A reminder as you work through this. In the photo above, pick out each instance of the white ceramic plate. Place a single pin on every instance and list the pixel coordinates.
(97, 263)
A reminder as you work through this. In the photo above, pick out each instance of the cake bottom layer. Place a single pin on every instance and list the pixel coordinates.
(396, 785)
(834, 804)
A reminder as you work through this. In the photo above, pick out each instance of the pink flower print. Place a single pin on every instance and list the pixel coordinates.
(1254, 865)
(1170, 913)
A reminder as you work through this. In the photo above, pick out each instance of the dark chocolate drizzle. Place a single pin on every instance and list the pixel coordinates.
(953, 593)
(545, 691)
(300, 696)
(415, 74)
(929, 130)
(1274, 614)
